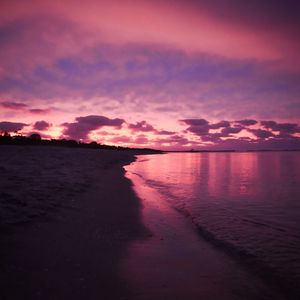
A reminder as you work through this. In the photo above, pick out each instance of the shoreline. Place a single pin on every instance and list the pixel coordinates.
(97, 233)
(73, 251)
(179, 263)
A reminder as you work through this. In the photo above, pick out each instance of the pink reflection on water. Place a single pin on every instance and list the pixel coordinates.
(215, 176)
(174, 262)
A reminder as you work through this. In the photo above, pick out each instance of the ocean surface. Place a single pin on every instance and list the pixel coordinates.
(246, 204)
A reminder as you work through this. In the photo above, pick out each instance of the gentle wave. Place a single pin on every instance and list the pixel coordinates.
(261, 233)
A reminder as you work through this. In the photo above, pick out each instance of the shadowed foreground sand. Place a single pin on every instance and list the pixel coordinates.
(67, 216)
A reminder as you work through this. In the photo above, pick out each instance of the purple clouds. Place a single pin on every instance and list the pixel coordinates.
(41, 125)
(11, 126)
(22, 107)
(202, 127)
(283, 128)
(195, 122)
(84, 125)
(239, 63)
(141, 126)
(260, 133)
(246, 122)
(248, 134)
(231, 134)
(13, 105)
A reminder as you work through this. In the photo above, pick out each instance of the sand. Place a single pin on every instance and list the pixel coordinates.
(67, 217)
(73, 227)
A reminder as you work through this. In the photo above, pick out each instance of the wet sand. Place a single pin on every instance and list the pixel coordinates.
(176, 263)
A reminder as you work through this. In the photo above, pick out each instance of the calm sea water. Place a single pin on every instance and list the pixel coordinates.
(248, 204)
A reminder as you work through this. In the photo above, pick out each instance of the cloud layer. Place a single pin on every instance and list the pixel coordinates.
(199, 134)
(80, 129)
(153, 63)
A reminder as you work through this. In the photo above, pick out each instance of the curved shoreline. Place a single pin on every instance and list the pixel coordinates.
(71, 246)
(175, 262)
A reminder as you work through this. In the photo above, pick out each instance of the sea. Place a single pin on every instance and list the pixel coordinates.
(247, 204)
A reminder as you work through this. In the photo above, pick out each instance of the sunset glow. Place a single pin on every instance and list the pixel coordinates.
(170, 75)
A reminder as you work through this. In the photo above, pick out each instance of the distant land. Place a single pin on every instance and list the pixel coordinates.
(36, 140)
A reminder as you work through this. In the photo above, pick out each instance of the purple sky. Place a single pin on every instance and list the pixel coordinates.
(163, 74)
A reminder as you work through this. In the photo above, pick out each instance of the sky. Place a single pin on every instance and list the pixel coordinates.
(165, 74)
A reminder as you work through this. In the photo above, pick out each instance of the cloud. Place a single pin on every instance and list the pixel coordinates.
(202, 128)
(194, 122)
(283, 128)
(185, 58)
(41, 125)
(141, 126)
(231, 130)
(136, 78)
(11, 126)
(184, 25)
(19, 106)
(164, 132)
(220, 124)
(13, 105)
(246, 122)
(197, 126)
(84, 125)
(228, 133)
(38, 111)
(212, 137)
(144, 126)
(260, 133)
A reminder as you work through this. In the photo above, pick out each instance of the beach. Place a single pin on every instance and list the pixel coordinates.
(73, 226)
(67, 216)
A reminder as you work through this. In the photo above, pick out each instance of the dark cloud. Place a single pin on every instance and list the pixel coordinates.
(220, 124)
(11, 126)
(212, 137)
(246, 122)
(41, 125)
(197, 126)
(231, 130)
(260, 133)
(199, 130)
(165, 132)
(141, 126)
(194, 122)
(13, 105)
(215, 137)
(84, 125)
(38, 111)
(144, 126)
(268, 124)
(283, 128)
(22, 106)
(202, 127)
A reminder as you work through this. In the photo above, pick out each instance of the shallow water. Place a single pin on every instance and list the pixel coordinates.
(248, 204)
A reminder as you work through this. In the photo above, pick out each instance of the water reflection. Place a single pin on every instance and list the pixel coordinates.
(249, 201)
(220, 176)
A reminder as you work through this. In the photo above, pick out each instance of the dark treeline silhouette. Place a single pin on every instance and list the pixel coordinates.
(35, 139)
